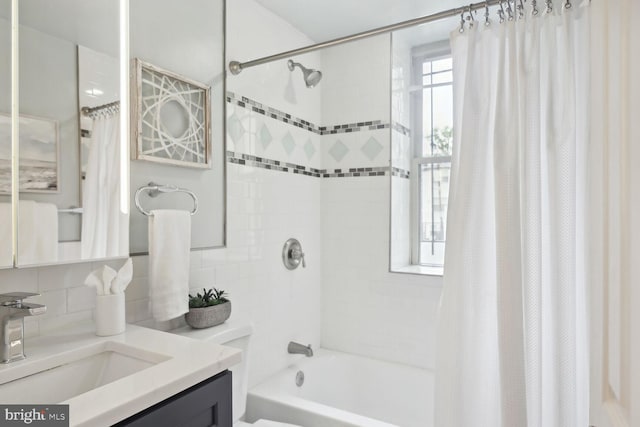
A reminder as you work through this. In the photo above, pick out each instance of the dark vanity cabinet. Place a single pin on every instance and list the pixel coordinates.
(207, 404)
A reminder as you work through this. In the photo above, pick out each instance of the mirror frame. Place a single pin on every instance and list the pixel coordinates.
(15, 114)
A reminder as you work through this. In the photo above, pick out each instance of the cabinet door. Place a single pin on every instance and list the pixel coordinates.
(207, 404)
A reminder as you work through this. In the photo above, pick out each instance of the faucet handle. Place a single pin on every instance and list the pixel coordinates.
(15, 297)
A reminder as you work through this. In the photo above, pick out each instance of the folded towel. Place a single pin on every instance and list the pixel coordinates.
(169, 248)
(6, 236)
(37, 232)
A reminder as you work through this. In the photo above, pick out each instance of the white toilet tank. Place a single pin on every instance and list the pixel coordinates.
(236, 334)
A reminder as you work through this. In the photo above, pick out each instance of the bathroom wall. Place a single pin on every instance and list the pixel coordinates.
(191, 48)
(265, 208)
(283, 157)
(366, 309)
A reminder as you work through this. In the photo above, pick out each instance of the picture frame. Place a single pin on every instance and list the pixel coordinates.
(39, 162)
(171, 116)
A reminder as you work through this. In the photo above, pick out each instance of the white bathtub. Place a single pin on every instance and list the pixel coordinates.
(343, 390)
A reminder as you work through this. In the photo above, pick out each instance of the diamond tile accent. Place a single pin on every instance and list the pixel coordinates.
(265, 136)
(288, 143)
(235, 128)
(371, 148)
(338, 151)
(309, 149)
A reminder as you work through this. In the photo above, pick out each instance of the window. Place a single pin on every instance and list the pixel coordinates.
(432, 137)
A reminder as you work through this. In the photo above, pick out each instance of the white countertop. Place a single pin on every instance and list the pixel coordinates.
(189, 362)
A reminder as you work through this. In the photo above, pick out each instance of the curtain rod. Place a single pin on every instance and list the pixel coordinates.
(236, 67)
(101, 109)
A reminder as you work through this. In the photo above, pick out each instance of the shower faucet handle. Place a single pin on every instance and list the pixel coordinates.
(292, 254)
(299, 255)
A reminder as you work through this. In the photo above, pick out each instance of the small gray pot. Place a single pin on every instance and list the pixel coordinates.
(205, 317)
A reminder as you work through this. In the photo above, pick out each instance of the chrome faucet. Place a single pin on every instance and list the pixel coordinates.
(12, 314)
(295, 348)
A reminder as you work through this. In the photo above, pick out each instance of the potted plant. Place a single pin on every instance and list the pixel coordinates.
(210, 308)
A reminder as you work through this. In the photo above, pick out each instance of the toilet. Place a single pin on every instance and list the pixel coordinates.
(236, 334)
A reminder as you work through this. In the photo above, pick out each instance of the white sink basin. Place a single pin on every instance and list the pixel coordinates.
(63, 376)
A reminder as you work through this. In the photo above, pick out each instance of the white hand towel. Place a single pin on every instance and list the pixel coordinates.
(6, 236)
(37, 232)
(169, 248)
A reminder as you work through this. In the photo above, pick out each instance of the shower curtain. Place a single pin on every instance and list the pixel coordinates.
(105, 229)
(512, 333)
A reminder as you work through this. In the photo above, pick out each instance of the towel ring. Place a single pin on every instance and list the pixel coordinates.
(155, 190)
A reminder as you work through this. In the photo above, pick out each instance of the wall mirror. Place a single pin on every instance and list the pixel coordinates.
(69, 133)
(6, 250)
(178, 97)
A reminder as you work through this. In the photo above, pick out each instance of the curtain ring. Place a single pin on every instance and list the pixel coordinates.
(509, 10)
(487, 22)
(567, 5)
(470, 17)
(549, 6)
(520, 10)
(462, 22)
(501, 12)
(534, 10)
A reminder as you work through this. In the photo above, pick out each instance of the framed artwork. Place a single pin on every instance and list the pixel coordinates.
(170, 118)
(39, 167)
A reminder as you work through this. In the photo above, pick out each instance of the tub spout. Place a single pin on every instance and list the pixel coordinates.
(295, 348)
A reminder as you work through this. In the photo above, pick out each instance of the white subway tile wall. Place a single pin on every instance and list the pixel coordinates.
(365, 309)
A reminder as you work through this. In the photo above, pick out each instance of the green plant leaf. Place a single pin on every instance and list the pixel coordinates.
(209, 297)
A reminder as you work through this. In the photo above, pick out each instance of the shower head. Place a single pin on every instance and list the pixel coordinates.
(311, 77)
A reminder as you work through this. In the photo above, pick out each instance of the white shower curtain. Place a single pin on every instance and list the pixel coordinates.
(105, 228)
(512, 333)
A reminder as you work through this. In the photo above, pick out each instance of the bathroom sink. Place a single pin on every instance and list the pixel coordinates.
(63, 376)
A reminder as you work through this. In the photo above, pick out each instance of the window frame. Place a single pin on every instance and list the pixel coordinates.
(420, 55)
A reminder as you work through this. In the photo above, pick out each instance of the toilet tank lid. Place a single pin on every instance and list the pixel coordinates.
(230, 330)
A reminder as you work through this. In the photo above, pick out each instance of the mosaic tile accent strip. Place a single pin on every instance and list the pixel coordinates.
(276, 165)
(354, 172)
(400, 173)
(276, 114)
(353, 127)
(265, 110)
(401, 129)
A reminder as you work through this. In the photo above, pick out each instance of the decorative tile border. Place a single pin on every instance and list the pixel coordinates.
(277, 165)
(281, 116)
(400, 173)
(353, 127)
(401, 129)
(355, 172)
(274, 113)
(281, 166)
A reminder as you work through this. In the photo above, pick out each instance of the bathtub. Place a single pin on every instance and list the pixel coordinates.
(344, 390)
